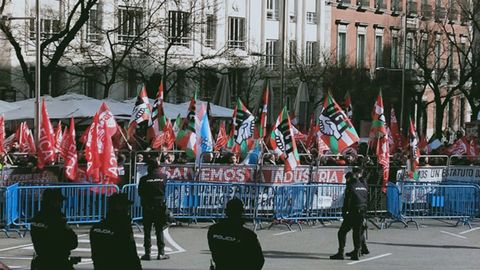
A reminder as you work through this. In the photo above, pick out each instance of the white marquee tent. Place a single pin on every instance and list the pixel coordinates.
(5, 106)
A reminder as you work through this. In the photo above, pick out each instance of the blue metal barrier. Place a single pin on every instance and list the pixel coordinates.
(436, 201)
(136, 211)
(83, 204)
(195, 200)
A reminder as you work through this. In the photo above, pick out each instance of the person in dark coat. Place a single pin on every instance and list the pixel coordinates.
(112, 242)
(52, 238)
(232, 245)
(151, 190)
(353, 213)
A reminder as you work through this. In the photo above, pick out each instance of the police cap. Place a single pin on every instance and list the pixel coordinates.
(119, 199)
(52, 194)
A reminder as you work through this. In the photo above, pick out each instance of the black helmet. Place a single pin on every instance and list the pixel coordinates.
(234, 208)
(52, 194)
(119, 199)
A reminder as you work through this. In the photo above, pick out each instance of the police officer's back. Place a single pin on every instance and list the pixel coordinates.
(52, 238)
(232, 245)
(112, 242)
(151, 190)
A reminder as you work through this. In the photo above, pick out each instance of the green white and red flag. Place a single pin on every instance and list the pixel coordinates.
(348, 106)
(187, 138)
(283, 142)
(142, 112)
(336, 129)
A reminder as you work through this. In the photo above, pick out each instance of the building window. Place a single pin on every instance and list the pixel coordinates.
(236, 33)
(463, 57)
(311, 53)
(48, 28)
(93, 25)
(361, 50)
(271, 53)
(178, 28)
(273, 9)
(292, 49)
(211, 33)
(394, 63)
(378, 51)
(130, 21)
(450, 56)
(312, 17)
(409, 53)
(342, 48)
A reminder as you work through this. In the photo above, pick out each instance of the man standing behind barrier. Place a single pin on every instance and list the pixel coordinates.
(151, 190)
(52, 238)
(232, 245)
(353, 213)
(112, 242)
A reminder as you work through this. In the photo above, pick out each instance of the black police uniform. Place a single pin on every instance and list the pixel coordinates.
(52, 240)
(152, 196)
(354, 210)
(113, 245)
(234, 247)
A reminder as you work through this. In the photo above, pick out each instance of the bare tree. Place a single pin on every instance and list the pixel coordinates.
(54, 44)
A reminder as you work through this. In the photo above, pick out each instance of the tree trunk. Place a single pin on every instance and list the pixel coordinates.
(439, 109)
(474, 115)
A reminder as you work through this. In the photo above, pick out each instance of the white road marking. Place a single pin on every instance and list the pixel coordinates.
(169, 239)
(282, 233)
(16, 258)
(471, 230)
(15, 247)
(371, 259)
(452, 234)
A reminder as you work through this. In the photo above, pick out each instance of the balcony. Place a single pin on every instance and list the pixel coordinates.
(343, 4)
(453, 15)
(426, 12)
(380, 6)
(440, 13)
(412, 10)
(396, 7)
(363, 5)
(236, 44)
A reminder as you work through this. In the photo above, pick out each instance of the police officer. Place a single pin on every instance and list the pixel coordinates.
(363, 239)
(52, 238)
(232, 245)
(151, 190)
(353, 213)
(112, 242)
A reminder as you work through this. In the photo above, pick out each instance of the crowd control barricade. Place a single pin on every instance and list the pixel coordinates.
(136, 211)
(207, 201)
(83, 203)
(436, 201)
(8, 208)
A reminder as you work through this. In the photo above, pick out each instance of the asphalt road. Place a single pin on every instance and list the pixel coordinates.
(436, 245)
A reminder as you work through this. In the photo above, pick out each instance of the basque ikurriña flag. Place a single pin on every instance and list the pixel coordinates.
(283, 142)
(336, 129)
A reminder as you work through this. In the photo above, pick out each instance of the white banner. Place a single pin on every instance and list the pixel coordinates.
(464, 174)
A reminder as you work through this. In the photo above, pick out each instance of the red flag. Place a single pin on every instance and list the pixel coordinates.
(397, 138)
(46, 144)
(69, 152)
(423, 144)
(221, 137)
(2, 135)
(91, 150)
(83, 138)
(109, 160)
(383, 157)
(58, 137)
(460, 147)
(105, 116)
(24, 137)
(472, 150)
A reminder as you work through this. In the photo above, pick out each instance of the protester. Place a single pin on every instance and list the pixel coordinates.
(52, 238)
(232, 245)
(151, 190)
(353, 213)
(112, 242)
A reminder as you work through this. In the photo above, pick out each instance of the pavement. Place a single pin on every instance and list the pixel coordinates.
(437, 244)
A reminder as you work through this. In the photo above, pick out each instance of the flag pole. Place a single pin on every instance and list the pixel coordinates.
(125, 138)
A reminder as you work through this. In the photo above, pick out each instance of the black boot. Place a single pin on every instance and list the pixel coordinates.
(365, 250)
(355, 255)
(338, 256)
(146, 256)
